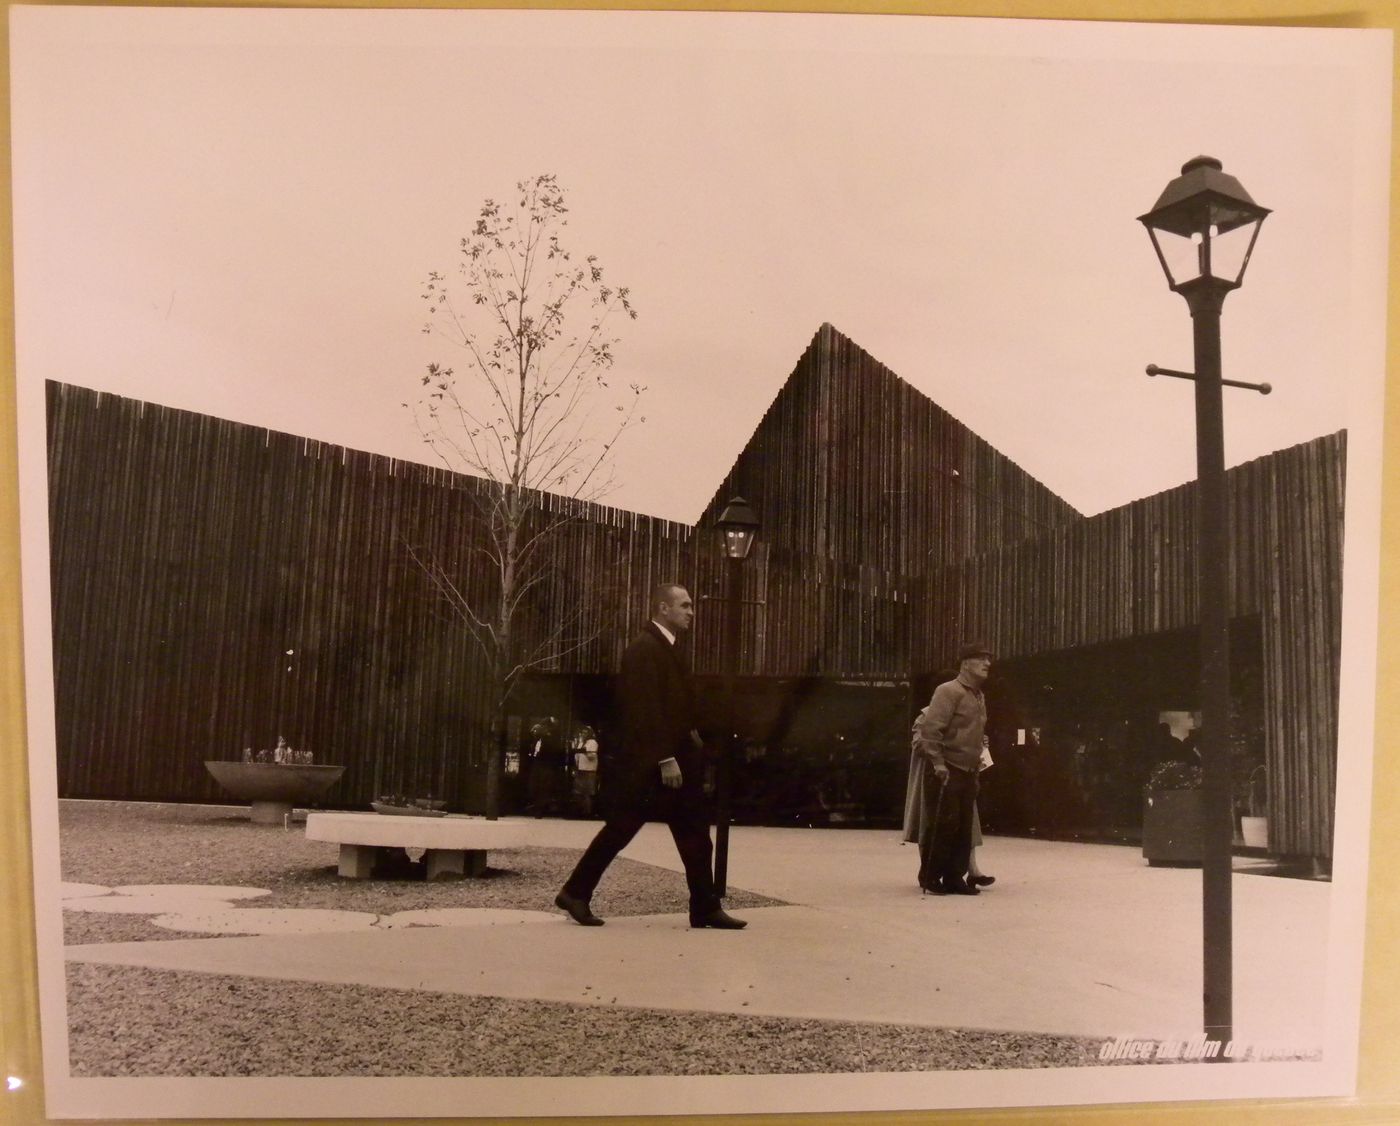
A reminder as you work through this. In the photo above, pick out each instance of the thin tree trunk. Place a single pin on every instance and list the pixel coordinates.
(495, 756)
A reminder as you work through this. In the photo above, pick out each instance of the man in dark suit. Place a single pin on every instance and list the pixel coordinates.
(660, 774)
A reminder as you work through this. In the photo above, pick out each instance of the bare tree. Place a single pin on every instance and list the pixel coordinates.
(532, 413)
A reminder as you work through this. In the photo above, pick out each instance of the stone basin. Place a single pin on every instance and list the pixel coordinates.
(273, 787)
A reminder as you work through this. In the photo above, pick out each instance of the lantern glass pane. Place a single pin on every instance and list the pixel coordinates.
(1181, 255)
(737, 542)
(1229, 252)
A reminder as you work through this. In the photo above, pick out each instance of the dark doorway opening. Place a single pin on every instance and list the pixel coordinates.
(812, 750)
(1075, 734)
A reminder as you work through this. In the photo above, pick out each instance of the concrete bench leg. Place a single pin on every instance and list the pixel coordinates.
(356, 861)
(454, 862)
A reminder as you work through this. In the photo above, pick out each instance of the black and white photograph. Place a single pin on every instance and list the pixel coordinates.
(584, 563)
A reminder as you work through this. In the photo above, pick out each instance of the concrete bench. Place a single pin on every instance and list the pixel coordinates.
(452, 845)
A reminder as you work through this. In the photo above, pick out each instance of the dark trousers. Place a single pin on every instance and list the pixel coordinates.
(690, 828)
(945, 848)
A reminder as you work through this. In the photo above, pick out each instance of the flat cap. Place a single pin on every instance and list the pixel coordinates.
(974, 649)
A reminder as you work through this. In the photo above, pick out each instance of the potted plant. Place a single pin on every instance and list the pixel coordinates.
(1172, 815)
(1254, 826)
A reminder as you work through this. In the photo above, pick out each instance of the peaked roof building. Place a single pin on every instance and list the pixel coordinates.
(188, 552)
(852, 464)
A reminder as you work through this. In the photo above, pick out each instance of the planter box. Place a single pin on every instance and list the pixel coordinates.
(1171, 827)
(1255, 831)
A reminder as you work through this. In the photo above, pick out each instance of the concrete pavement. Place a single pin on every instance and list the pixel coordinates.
(1073, 938)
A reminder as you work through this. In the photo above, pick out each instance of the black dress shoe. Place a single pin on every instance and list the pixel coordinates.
(719, 920)
(982, 881)
(578, 908)
(959, 888)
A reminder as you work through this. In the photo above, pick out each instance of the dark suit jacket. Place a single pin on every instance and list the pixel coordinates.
(659, 710)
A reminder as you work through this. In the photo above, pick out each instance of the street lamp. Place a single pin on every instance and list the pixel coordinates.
(1203, 229)
(739, 528)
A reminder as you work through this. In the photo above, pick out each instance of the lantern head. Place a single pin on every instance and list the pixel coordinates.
(1203, 228)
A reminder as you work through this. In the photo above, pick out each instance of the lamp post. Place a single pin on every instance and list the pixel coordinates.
(739, 528)
(1203, 229)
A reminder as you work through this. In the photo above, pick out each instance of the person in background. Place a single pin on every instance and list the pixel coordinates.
(914, 812)
(547, 763)
(948, 736)
(1166, 747)
(585, 769)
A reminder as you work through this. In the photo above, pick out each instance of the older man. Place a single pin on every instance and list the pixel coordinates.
(661, 772)
(948, 737)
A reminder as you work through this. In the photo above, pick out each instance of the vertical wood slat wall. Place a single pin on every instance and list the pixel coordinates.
(851, 463)
(1130, 572)
(189, 553)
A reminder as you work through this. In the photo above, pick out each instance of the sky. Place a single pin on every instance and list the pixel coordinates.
(233, 212)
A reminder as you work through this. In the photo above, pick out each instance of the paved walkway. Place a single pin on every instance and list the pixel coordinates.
(1073, 938)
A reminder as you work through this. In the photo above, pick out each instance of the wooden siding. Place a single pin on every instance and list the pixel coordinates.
(851, 463)
(188, 553)
(1130, 572)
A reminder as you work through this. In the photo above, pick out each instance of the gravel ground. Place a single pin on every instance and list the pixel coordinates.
(118, 844)
(129, 1021)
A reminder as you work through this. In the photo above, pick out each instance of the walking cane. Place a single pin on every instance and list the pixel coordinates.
(931, 825)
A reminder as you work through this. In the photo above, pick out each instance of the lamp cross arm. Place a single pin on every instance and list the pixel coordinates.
(1262, 388)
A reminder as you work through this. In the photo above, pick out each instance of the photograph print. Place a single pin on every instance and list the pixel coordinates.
(584, 563)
